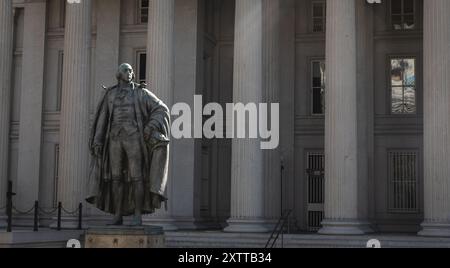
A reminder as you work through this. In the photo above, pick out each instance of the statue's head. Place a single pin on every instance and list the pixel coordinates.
(125, 73)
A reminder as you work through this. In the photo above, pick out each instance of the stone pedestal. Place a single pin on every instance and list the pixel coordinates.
(125, 237)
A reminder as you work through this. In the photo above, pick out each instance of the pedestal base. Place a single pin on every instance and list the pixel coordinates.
(331, 227)
(125, 237)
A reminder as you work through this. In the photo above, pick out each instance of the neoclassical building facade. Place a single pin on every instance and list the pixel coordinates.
(364, 93)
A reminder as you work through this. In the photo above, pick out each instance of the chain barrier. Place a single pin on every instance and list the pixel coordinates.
(70, 213)
(38, 211)
(23, 212)
(47, 212)
(43, 211)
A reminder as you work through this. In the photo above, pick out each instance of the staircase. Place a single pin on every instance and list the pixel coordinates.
(218, 239)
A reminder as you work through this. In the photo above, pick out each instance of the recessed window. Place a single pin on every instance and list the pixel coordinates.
(403, 86)
(403, 182)
(62, 13)
(403, 14)
(318, 16)
(141, 62)
(318, 87)
(143, 11)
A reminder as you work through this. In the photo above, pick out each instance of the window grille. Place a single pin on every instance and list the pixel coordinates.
(403, 182)
(316, 190)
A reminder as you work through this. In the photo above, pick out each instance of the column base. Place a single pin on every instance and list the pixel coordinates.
(335, 227)
(167, 224)
(207, 223)
(435, 229)
(185, 223)
(246, 226)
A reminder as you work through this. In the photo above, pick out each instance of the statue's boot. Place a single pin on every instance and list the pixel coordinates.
(118, 201)
(138, 202)
(117, 221)
(137, 220)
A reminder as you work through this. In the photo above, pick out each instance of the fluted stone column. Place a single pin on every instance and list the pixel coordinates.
(341, 156)
(271, 94)
(247, 176)
(160, 79)
(74, 153)
(107, 46)
(160, 52)
(437, 118)
(6, 56)
(31, 106)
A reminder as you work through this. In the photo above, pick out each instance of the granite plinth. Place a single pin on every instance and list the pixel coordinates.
(125, 237)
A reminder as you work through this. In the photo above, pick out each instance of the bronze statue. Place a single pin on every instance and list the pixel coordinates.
(129, 143)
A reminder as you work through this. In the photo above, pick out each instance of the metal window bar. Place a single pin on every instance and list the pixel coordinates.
(316, 190)
(319, 21)
(143, 11)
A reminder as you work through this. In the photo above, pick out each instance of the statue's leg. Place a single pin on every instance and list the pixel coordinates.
(135, 164)
(116, 159)
(138, 185)
(118, 201)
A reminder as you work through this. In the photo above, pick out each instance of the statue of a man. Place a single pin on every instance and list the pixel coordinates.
(129, 143)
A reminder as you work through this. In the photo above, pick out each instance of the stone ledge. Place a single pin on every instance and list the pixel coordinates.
(42, 238)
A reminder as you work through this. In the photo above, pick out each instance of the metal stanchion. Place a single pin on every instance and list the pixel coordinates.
(80, 216)
(9, 206)
(59, 217)
(36, 211)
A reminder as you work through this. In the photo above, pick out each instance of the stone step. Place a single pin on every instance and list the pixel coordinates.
(227, 240)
